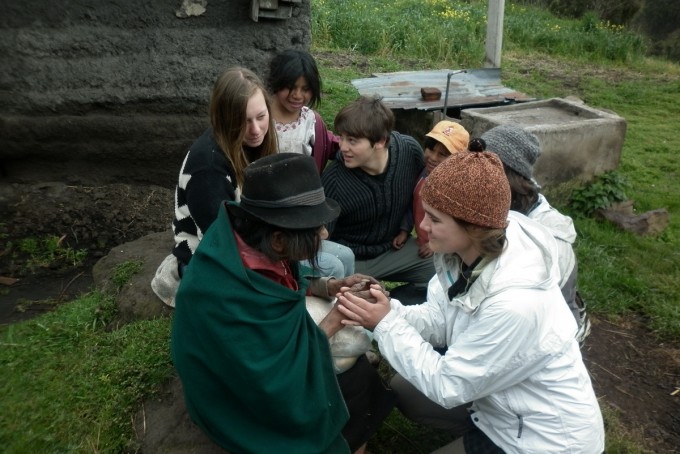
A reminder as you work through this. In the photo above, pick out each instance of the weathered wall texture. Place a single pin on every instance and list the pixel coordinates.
(101, 91)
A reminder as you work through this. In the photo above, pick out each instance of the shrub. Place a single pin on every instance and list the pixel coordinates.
(604, 191)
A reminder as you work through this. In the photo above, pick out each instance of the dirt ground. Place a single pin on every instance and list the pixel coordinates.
(93, 218)
(634, 374)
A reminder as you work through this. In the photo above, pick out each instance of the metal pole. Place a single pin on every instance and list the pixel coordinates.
(448, 82)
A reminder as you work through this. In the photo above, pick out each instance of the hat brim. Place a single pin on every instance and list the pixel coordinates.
(442, 139)
(301, 217)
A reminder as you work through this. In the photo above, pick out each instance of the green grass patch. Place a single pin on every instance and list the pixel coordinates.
(70, 386)
(123, 272)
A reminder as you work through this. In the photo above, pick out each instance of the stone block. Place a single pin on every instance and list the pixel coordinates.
(577, 141)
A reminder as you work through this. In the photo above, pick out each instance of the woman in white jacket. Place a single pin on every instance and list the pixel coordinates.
(512, 376)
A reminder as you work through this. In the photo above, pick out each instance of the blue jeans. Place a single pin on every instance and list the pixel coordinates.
(334, 260)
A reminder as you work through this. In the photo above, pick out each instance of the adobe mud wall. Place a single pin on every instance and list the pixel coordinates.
(103, 91)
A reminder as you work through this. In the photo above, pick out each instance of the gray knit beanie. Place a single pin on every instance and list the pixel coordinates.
(518, 148)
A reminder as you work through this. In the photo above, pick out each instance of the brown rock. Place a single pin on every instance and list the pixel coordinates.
(135, 300)
(649, 223)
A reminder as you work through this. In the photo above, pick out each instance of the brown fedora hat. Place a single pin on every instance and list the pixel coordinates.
(285, 190)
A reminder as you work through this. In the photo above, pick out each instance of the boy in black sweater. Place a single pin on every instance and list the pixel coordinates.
(373, 179)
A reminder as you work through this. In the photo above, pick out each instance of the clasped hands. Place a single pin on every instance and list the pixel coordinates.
(361, 299)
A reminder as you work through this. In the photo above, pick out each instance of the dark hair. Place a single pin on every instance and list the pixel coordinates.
(435, 146)
(489, 242)
(301, 244)
(365, 118)
(430, 143)
(524, 193)
(228, 103)
(288, 66)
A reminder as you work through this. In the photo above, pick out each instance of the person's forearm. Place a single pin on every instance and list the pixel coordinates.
(319, 287)
(330, 327)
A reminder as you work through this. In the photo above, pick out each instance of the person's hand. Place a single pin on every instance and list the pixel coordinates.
(424, 251)
(353, 281)
(362, 290)
(360, 311)
(399, 240)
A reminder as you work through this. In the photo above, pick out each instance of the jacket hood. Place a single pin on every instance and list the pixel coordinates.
(559, 225)
(528, 261)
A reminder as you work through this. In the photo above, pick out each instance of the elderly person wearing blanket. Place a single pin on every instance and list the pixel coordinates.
(259, 375)
(512, 379)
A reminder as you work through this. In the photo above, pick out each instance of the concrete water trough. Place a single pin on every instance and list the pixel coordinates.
(577, 141)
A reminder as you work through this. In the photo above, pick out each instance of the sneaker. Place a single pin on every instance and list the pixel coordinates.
(583, 331)
(583, 321)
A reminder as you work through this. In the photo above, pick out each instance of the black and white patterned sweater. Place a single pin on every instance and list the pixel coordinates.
(206, 179)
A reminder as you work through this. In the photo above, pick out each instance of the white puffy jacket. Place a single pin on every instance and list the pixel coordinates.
(511, 349)
(562, 229)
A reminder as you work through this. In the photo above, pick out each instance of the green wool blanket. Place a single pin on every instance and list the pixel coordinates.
(256, 370)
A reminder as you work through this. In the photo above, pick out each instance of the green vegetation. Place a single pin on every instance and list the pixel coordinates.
(123, 272)
(455, 31)
(49, 251)
(607, 189)
(69, 385)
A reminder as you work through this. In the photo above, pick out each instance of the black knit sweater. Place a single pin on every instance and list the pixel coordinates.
(373, 206)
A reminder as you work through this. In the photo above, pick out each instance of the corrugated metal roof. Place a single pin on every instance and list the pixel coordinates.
(471, 87)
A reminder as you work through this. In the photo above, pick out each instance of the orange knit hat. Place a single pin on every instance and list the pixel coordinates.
(471, 186)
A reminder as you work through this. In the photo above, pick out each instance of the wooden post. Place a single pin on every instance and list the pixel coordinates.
(494, 34)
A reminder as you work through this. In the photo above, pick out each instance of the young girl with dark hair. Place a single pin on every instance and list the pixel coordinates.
(295, 84)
